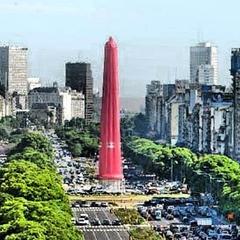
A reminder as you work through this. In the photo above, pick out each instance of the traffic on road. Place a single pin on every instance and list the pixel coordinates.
(187, 218)
(94, 219)
(174, 218)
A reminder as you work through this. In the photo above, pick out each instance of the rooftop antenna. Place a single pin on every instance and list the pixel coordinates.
(200, 35)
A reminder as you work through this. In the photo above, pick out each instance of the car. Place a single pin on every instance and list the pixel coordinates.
(213, 234)
(176, 213)
(177, 236)
(170, 208)
(169, 217)
(157, 228)
(84, 215)
(106, 222)
(96, 222)
(116, 222)
(193, 223)
(76, 205)
(104, 204)
(85, 204)
(224, 236)
(95, 204)
(169, 234)
(203, 235)
(82, 222)
(185, 220)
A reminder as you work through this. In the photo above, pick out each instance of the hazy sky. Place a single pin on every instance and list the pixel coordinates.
(153, 36)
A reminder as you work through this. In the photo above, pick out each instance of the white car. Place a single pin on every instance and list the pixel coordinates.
(84, 215)
(82, 222)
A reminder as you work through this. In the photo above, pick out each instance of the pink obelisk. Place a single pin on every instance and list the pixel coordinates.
(110, 163)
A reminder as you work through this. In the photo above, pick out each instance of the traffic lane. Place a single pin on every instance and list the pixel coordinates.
(114, 235)
(88, 228)
(107, 234)
(94, 213)
(101, 216)
(124, 235)
(90, 236)
(102, 236)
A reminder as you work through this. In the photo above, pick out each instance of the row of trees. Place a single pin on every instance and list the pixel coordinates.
(81, 137)
(217, 174)
(33, 204)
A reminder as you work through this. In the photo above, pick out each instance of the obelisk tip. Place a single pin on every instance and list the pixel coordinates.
(111, 42)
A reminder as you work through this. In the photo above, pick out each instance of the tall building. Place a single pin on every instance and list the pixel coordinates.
(110, 162)
(79, 78)
(13, 69)
(204, 64)
(235, 72)
(153, 106)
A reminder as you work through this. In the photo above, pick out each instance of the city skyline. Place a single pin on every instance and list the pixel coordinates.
(154, 46)
(119, 120)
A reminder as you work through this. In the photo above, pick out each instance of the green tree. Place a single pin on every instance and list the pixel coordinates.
(33, 204)
(36, 141)
(26, 179)
(29, 154)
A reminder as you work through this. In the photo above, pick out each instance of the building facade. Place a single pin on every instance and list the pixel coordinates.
(13, 69)
(197, 116)
(67, 103)
(79, 78)
(77, 105)
(235, 72)
(204, 64)
(152, 105)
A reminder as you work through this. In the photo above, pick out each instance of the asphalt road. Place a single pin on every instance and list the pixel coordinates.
(100, 232)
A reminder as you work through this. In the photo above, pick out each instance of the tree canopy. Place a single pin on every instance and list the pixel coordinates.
(81, 138)
(212, 172)
(33, 204)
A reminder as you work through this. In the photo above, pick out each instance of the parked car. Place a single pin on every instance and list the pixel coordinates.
(84, 215)
(106, 222)
(104, 204)
(82, 222)
(96, 222)
(116, 222)
(169, 217)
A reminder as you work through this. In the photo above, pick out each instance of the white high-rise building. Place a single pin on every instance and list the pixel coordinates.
(13, 69)
(204, 64)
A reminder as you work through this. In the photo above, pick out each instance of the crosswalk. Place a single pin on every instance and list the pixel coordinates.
(101, 228)
(89, 209)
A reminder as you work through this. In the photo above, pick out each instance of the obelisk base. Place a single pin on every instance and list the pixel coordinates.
(113, 186)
